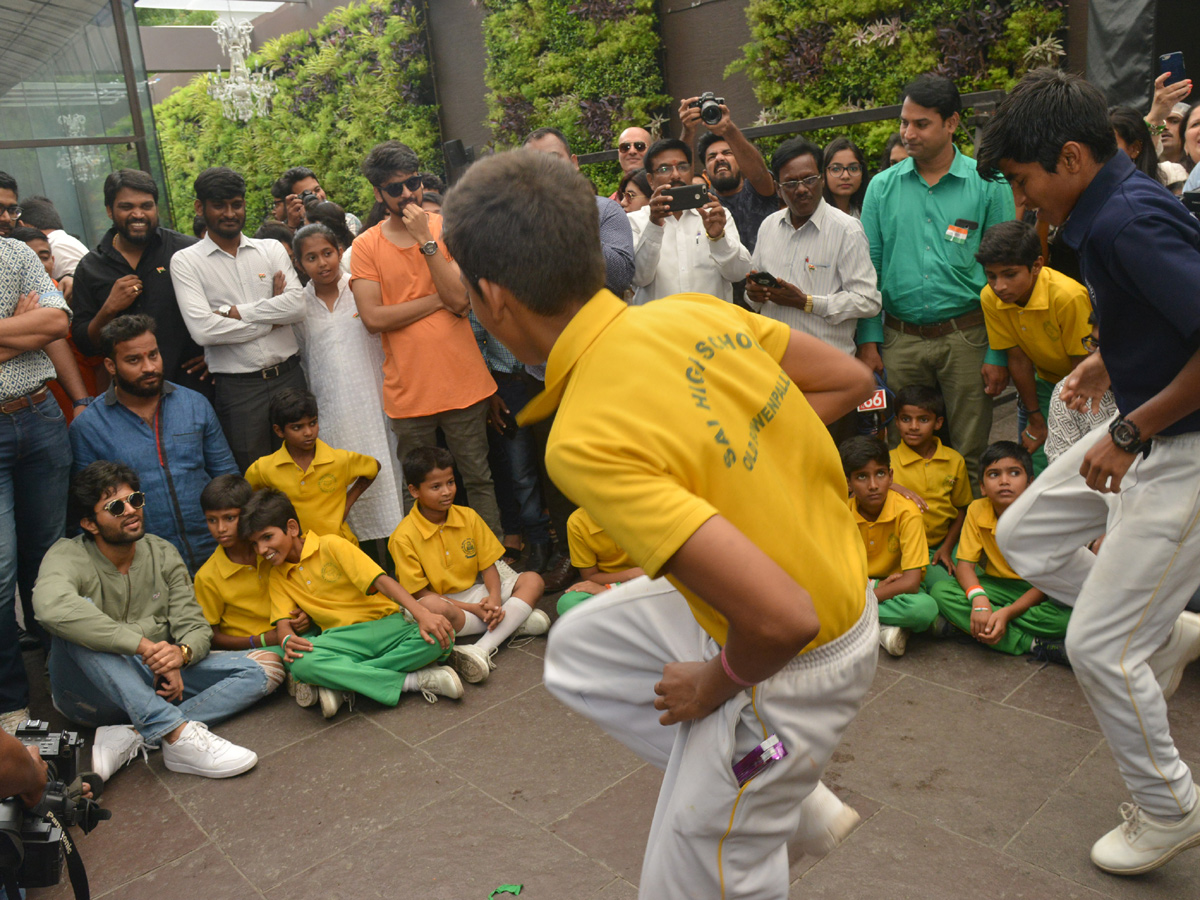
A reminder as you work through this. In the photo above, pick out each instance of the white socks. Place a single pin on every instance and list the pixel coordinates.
(410, 682)
(473, 625)
(515, 613)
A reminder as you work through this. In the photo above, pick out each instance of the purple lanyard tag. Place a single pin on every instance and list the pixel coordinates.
(758, 759)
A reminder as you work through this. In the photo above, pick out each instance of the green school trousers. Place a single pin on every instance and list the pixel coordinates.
(914, 611)
(1046, 620)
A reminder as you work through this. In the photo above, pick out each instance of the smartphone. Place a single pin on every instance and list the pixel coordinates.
(510, 425)
(1173, 63)
(688, 196)
(765, 279)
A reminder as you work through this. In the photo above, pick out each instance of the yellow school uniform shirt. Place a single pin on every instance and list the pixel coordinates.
(591, 547)
(234, 597)
(318, 492)
(941, 481)
(895, 541)
(447, 557)
(1049, 328)
(330, 583)
(979, 537)
(674, 412)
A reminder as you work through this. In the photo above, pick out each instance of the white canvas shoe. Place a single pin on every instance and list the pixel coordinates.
(332, 700)
(200, 752)
(893, 639)
(537, 623)
(1181, 648)
(1142, 843)
(825, 821)
(113, 747)
(471, 662)
(439, 681)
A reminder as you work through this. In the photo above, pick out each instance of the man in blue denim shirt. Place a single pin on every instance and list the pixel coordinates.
(168, 434)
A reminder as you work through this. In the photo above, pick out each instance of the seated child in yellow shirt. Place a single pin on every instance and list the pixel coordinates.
(367, 642)
(440, 550)
(932, 471)
(999, 608)
(597, 557)
(322, 482)
(894, 537)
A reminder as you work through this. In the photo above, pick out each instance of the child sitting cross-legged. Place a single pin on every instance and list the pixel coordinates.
(367, 642)
(441, 550)
(322, 482)
(999, 608)
(599, 560)
(894, 536)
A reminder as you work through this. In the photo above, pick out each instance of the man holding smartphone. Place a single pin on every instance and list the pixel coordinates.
(678, 247)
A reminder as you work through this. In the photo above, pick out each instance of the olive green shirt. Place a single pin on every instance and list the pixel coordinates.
(82, 598)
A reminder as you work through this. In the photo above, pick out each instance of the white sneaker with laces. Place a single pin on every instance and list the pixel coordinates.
(825, 821)
(332, 700)
(435, 681)
(305, 694)
(1142, 843)
(198, 751)
(473, 663)
(113, 747)
(1181, 648)
(893, 639)
(537, 623)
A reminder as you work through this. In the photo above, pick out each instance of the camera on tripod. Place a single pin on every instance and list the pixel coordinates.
(709, 105)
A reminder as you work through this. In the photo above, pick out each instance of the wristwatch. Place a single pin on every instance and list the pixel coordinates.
(429, 248)
(1127, 436)
(187, 654)
(224, 309)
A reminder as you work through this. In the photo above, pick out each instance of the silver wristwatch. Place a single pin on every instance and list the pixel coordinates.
(224, 309)
(429, 248)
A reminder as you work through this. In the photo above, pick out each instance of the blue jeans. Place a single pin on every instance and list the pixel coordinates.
(514, 465)
(94, 688)
(35, 471)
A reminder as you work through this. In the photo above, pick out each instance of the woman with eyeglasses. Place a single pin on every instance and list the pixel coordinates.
(634, 190)
(845, 176)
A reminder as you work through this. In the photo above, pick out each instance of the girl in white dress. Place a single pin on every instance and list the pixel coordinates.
(344, 363)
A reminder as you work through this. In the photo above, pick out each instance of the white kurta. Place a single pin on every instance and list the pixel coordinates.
(344, 363)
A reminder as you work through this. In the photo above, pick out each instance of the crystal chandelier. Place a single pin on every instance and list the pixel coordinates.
(243, 94)
(82, 164)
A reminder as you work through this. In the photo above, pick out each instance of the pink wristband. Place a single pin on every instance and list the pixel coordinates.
(731, 674)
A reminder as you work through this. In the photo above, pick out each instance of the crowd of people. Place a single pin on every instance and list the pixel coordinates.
(352, 457)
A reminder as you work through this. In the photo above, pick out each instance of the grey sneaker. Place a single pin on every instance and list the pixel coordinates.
(305, 694)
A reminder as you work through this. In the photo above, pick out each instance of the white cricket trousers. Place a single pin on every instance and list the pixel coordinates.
(1126, 598)
(709, 839)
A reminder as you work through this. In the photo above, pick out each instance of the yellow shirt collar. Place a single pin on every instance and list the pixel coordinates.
(889, 513)
(455, 518)
(1039, 299)
(226, 567)
(589, 323)
(906, 455)
(322, 456)
(987, 516)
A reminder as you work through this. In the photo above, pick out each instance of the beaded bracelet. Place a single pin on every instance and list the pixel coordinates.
(736, 679)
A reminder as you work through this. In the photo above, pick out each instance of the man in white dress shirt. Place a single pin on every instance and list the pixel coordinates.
(239, 297)
(691, 251)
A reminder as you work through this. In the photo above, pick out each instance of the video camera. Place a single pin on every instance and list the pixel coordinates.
(709, 105)
(34, 843)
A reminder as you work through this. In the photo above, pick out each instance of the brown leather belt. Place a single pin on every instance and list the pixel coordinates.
(935, 329)
(8, 407)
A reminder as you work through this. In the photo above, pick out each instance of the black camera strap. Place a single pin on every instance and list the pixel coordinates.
(75, 869)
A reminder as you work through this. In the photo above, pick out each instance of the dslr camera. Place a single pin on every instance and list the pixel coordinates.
(709, 105)
(308, 197)
(33, 844)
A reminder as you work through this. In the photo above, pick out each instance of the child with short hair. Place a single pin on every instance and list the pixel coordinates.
(602, 564)
(933, 471)
(440, 550)
(999, 608)
(322, 482)
(1038, 315)
(367, 644)
(894, 537)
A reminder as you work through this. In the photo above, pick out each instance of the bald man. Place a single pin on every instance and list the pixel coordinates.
(631, 147)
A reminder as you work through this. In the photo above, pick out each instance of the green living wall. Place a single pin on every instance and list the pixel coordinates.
(812, 57)
(361, 77)
(590, 68)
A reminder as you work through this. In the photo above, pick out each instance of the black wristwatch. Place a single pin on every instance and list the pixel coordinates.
(1127, 436)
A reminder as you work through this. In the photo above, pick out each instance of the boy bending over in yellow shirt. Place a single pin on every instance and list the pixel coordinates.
(599, 560)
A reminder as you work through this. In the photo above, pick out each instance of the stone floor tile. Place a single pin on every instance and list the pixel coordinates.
(901, 857)
(206, 868)
(460, 847)
(962, 664)
(1054, 692)
(618, 890)
(884, 679)
(536, 756)
(799, 862)
(321, 795)
(974, 767)
(1060, 835)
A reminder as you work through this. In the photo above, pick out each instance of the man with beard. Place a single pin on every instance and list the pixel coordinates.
(130, 272)
(168, 434)
(409, 290)
(239, 297)
(690, 251)
(296, 182)
(10, 212)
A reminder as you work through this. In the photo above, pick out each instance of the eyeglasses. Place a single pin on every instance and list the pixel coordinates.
(1090, 344)
(632, 196)
(397, 188)
(807, 183)
(14, 212)
(639, 146)
(666, 169)
(838, 169)
(136, 500)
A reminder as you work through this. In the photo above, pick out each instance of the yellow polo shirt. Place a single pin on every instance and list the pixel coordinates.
(941, 481)
(591, 547)
(234, 597)
(1049, 328)
(448, 557)
(318, 492)
(331, 582)
(674, 412)
(895, 541)
(979, 538)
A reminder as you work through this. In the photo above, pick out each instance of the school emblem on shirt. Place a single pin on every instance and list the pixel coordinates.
(949, 482)
(330, 572)
(468, 548)
(327, 483)
(893, 543)
(1051, 330)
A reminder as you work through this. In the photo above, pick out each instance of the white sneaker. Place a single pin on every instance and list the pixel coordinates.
(11, 721)
(305, 694)
(825, 821)
(1142, 843)
(893, 639)
(332, 700)
(113, 747)
(435, 681)
(1181, 648)
(473, 663)
(537, 623)
(200, 752)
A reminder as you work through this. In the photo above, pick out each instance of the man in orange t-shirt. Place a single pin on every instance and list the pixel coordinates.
(409, 290)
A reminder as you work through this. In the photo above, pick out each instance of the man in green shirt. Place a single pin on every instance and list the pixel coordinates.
(924, 217)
